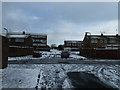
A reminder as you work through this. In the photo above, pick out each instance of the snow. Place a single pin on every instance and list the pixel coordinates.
(108, 48)
(0, 79)
(77, 57)
(55, 75)
(21, 46)
(19, 78)
(72, 41)
(94, 37)
(112, 75)
(106, 60)
(17, 36)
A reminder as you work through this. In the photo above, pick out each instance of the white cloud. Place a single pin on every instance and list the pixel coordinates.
(65, 31)
(72, 31)
(21, 16)
(17, 20)
(35, 18)
(108, 27)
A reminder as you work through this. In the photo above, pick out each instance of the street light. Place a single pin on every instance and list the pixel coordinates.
(6, 30)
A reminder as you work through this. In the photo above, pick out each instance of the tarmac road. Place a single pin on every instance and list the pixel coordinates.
(57, 60)
(86, 80)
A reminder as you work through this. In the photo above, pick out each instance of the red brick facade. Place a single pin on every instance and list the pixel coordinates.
(101, 46)
(40, 42)
(100, 53)
(4, 48)
(73, 45)
(20, 45)
(101, 41)
(20, 41)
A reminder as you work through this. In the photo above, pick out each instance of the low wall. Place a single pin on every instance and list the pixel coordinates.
(107, 54)
(18, 51)
(88, 53)
(101, 53)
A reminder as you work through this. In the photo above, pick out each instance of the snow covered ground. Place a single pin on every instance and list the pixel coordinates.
(31, 75)
(0, 79)
(55, 75)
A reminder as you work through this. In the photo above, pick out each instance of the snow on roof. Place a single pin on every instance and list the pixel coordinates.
(26, 33)
(17, 36)
(113, 45)
(37, 34)
(94, 37)
(72, 41)
(112, 37)
(103, 37)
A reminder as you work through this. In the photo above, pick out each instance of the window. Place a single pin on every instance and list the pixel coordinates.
(105, 41)
(35, 44)
(42, 36)
(94, 41)
(111, 41)
(101, 41)
(73, 44)
(19, 40)
(67, 44)
(41, 44)
(44, 41)
(33, 40)
(34, 36)
(9, 39)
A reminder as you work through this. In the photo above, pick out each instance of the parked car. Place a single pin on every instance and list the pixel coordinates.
(65, 54)
(37, 54)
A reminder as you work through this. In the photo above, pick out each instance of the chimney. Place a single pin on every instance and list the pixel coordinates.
(86, 33)
(117, 35)
(23, 32)
(101, 34)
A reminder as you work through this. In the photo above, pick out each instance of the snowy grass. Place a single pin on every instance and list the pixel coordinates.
(0, 79)
(19, 78)
(25, 75)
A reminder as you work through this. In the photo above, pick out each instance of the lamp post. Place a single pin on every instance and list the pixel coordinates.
(6, 30)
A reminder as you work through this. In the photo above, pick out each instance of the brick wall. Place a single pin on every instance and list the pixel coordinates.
(4, 48)
(18, 51)
(100, 53)
(107, 54)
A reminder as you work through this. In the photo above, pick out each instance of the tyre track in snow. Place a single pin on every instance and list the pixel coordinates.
(57, 74)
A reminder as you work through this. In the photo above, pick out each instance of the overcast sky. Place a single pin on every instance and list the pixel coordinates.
(61, 20)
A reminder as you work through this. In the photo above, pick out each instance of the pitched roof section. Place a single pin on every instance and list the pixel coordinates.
(103, 36)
